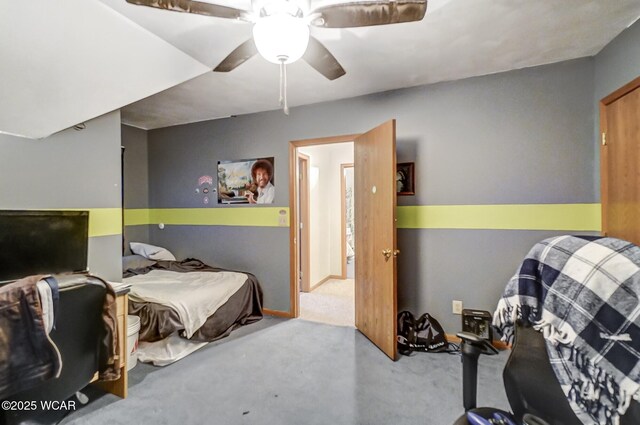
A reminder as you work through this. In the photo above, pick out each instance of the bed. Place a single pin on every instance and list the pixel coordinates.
(183, 305)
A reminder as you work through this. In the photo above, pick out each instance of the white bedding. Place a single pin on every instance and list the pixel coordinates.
(167, 350)
(194, 296)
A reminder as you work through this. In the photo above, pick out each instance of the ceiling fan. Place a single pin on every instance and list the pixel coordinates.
(281, 28)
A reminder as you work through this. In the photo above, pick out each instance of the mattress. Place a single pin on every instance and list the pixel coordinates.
(158, 321)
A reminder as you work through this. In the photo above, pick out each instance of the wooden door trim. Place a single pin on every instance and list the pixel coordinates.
(343, 219)
(324, 140)
(294, 293)
(624, 90)
(304, 235)
(604, 158)
(604, 171)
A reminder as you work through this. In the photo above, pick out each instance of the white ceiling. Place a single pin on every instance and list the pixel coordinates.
(72, 60)
(65, 62)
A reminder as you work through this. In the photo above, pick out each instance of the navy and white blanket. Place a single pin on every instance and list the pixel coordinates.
(582, 293)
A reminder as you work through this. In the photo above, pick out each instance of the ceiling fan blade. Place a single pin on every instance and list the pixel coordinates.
(197, 7)
(240, 55)
(368, 13)
(321, 59)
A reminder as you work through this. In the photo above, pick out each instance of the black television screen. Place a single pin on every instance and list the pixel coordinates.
(34, 242)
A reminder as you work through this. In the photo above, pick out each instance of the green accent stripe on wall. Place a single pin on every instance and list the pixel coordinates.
(105, 221)
(136, 217)
(574, 217)
(564, 217)
(246, 216)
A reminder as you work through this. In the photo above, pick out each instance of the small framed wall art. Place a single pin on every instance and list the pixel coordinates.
(405, 179)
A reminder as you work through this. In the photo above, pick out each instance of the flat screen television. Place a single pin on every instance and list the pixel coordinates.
(35, 242)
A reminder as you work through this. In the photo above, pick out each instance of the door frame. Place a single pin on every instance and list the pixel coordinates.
(294, 266)
(304, 252)
(343, 218)
(604, 167)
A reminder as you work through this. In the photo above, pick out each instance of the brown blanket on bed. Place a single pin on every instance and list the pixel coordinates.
(158, 321)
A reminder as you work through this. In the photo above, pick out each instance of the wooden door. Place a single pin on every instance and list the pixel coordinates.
(620, 163)
(375, 228)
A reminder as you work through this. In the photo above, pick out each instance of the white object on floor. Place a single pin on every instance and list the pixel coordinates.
(168, 350)
(194, 295)
(133, 327)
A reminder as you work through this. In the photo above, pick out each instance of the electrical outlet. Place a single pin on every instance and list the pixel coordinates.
(456, 306)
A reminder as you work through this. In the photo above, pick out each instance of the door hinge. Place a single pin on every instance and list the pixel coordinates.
(301, 225)
(604, 139)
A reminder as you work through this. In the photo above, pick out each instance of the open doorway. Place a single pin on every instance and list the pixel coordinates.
(374, 165)
(326, 232)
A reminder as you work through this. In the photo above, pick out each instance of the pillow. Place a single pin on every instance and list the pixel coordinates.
(132, 262)
(151, 252)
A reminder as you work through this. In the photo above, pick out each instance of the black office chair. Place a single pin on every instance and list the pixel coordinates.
(531, 386)
(78, 331)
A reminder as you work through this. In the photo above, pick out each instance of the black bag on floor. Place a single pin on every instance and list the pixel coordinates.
(424, 334)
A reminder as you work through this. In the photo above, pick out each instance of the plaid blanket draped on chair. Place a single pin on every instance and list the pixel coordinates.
(582, 293)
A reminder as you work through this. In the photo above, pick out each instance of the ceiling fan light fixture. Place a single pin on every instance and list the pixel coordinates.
(281, 37)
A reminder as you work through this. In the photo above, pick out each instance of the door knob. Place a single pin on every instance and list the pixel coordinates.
(386, 253)
(396, 252)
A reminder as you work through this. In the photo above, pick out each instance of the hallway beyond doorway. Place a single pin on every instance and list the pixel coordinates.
(332, 303)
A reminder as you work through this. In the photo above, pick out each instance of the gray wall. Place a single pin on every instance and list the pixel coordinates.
(136, 177)
(523, 136)
(177, 157)
(136, 167)
(263, 251)
(71, 169)
(615, 65)
(618, 63)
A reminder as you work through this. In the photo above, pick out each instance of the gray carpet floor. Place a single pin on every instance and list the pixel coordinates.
(281, 371)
